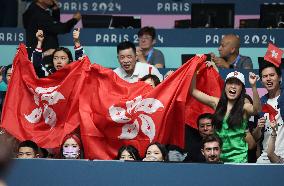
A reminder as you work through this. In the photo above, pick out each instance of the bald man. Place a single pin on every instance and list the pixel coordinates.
(229, 54)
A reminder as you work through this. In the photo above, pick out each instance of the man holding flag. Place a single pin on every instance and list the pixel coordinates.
(109, 111)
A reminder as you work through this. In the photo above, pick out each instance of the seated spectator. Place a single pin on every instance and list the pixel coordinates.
(175, 153)
(211, 148)
(6, 76)
(152, 80)
(71, 147)
(146, 53)
(156, 152)
(61, 56)
(129, 69)
(273, 157)
(229, 54)
(194, 139)
(129, 153)
(28, 149)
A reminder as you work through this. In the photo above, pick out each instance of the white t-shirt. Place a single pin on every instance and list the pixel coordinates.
(141, 70)
(279, 144)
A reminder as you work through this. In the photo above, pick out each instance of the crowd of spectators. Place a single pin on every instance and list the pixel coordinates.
(224, 136)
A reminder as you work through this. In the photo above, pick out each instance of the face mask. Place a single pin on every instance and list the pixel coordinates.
(176, 156)
(71, 152)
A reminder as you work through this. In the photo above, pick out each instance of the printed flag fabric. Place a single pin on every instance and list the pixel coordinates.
(115, 112)
(210, 82)
(273, 55)
(42, 110)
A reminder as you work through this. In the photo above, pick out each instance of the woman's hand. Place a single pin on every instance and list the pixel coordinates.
(39, 36)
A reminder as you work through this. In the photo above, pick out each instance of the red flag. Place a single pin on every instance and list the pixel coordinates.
(209, 81)
(116, 113)
(38, 109)
(270, 110)
(273, 55)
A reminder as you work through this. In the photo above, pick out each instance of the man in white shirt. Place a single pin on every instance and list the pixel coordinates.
(271, 79)
(129, 69)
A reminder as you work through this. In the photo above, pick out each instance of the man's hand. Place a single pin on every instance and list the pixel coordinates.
(220, 62)
(140, 55)
(261, 122)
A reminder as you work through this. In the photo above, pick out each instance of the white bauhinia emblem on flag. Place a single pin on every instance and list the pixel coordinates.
(136, 110)
(274, 54)
(44, 98)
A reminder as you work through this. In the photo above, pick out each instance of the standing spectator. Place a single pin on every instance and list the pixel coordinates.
(146, 53)
(45, 15)
(271, 79)
(129, 69)
(212, 148)
(194, 139)
(60, 57)
(229, 54)
(232, 111)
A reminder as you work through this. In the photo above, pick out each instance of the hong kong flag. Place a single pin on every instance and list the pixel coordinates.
(43, 110)
(210, 82)
(116, 113)
(273, 55)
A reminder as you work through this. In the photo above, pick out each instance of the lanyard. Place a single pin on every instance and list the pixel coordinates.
(149, 55)
(236, 61)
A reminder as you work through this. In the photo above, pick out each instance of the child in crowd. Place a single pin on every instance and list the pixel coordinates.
(232, 111)
(61, 56)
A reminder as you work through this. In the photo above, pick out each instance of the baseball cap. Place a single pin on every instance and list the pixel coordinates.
(237, 75)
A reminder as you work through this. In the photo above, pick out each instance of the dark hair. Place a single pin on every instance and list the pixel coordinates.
(203, 116)
(235, 118)
(30, 144)
(212, 138)
(5, 71)
(171, 147)
(131, 150)
(77, 138)
(155, 79)
(162, 148)
(149, 30)
(67, 51)
(267, 64)
(126, 45)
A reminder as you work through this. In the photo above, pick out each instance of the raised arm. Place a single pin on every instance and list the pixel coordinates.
(201, 96)
(271, 145)
(253, 109)
(79, 51)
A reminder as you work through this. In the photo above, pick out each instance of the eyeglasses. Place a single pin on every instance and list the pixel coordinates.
(145, 38)
(60, 58)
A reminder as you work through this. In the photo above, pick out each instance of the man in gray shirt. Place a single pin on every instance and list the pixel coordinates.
(229, 54)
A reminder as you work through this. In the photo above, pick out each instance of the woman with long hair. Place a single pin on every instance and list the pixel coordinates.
(232, 111)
